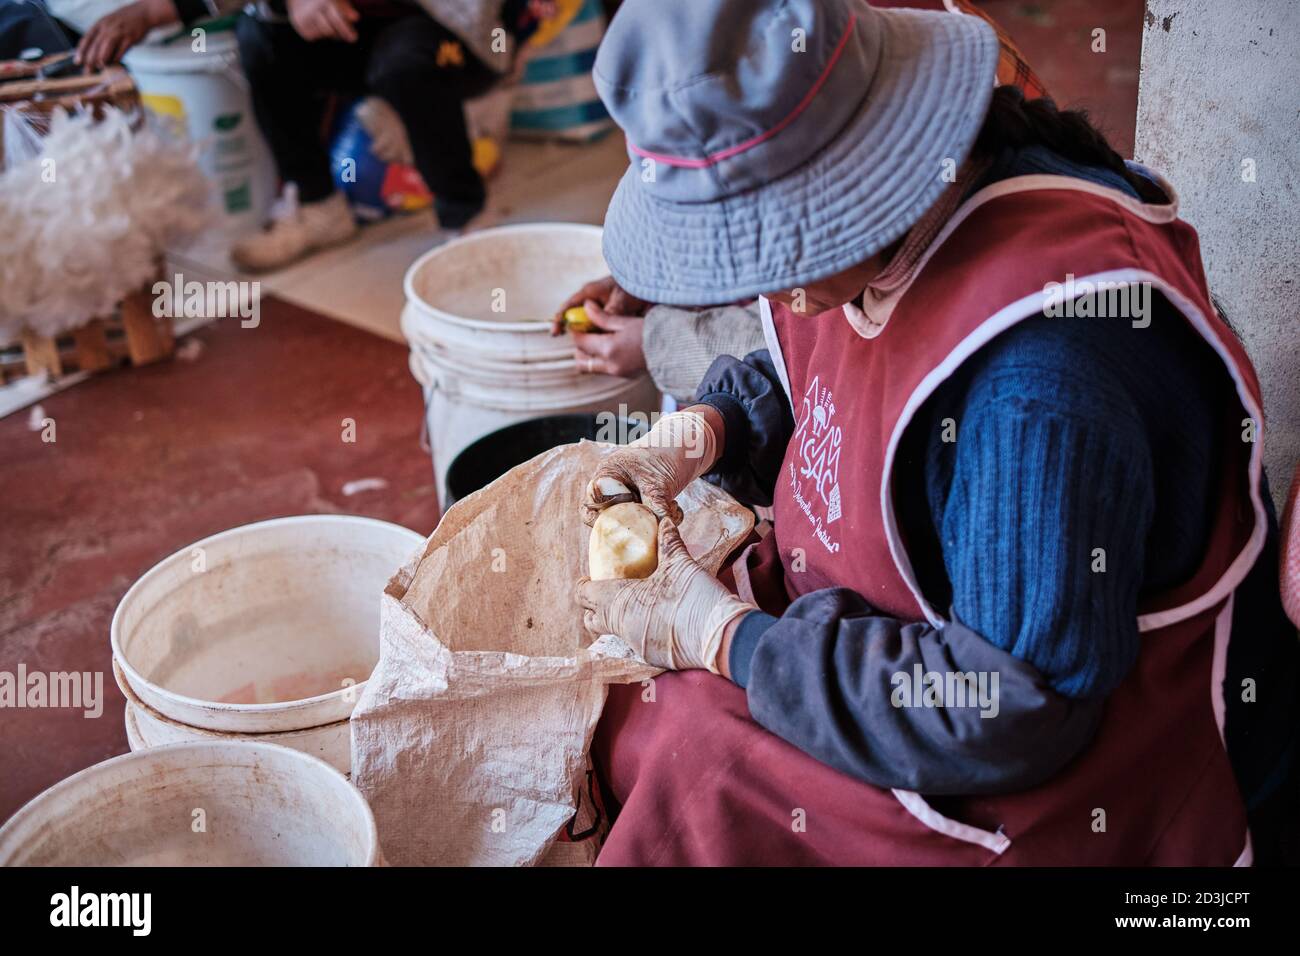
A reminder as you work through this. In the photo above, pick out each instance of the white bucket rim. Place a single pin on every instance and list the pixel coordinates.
(538, 326)
(134, 739)
(244, 752)
(279, 707)
(172, 57)
(251, 736)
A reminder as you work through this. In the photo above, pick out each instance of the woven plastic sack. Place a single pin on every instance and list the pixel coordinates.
(472, 736)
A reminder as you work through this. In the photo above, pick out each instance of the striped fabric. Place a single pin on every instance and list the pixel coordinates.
(556, 97)
(1013, 69)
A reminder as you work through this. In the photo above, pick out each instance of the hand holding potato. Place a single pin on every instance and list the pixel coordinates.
(676, 618)
(611, 344)
(658, 466)
(607, 295)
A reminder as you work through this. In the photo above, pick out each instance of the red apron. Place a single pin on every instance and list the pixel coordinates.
(700, 782)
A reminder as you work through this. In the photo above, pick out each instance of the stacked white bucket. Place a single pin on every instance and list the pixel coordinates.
(265, 633)
(241, 658)
(258, 805)
(477, 318)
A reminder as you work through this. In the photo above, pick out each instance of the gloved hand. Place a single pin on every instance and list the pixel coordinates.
(675, 618)
(656, 467)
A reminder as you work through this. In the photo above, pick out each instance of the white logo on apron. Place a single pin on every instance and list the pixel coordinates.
(815, 473)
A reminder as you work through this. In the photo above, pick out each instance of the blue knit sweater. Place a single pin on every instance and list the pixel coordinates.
(1080, 442)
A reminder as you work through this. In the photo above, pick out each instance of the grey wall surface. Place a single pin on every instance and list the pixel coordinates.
(1219, 94)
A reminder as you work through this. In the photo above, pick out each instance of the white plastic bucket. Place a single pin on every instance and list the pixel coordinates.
(477, 318)
(145, 728)
(205, 95)
(261, 805)
(269, 627)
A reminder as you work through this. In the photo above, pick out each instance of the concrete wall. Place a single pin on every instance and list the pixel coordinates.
(1218, 100)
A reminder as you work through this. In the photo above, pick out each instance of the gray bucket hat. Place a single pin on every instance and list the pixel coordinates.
(777, 142)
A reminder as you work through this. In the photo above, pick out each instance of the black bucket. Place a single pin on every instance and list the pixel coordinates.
(485, 460)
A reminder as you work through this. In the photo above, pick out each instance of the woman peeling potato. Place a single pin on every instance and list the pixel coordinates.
(998, 420)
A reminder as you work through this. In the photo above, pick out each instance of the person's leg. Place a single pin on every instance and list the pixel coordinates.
(426, 74)
(289, 79)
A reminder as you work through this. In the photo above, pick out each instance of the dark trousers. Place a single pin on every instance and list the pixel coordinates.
(410, 60)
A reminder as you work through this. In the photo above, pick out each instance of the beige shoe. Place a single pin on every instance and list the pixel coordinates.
(295, 230)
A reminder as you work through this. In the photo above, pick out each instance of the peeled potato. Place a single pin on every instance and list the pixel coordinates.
(577, 320)
(624, 542)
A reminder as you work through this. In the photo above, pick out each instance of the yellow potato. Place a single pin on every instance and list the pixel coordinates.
(624, 543)
(577, 320)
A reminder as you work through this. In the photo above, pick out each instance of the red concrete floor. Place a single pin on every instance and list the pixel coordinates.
(148, 460)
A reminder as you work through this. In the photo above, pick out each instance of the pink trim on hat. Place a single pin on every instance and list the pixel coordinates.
(730, 151)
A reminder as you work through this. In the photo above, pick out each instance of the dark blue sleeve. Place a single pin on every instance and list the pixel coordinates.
(759, 422)
(838, 680)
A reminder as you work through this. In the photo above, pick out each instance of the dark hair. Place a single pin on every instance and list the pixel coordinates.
(1014, 122)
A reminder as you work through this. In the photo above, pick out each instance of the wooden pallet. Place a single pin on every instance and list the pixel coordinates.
(39, 96)
(132, 336)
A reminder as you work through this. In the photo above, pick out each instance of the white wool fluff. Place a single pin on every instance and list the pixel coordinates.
(71, 249)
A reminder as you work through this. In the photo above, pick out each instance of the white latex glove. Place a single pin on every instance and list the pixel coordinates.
(674, 619)
(655, 468)
(388, 139)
